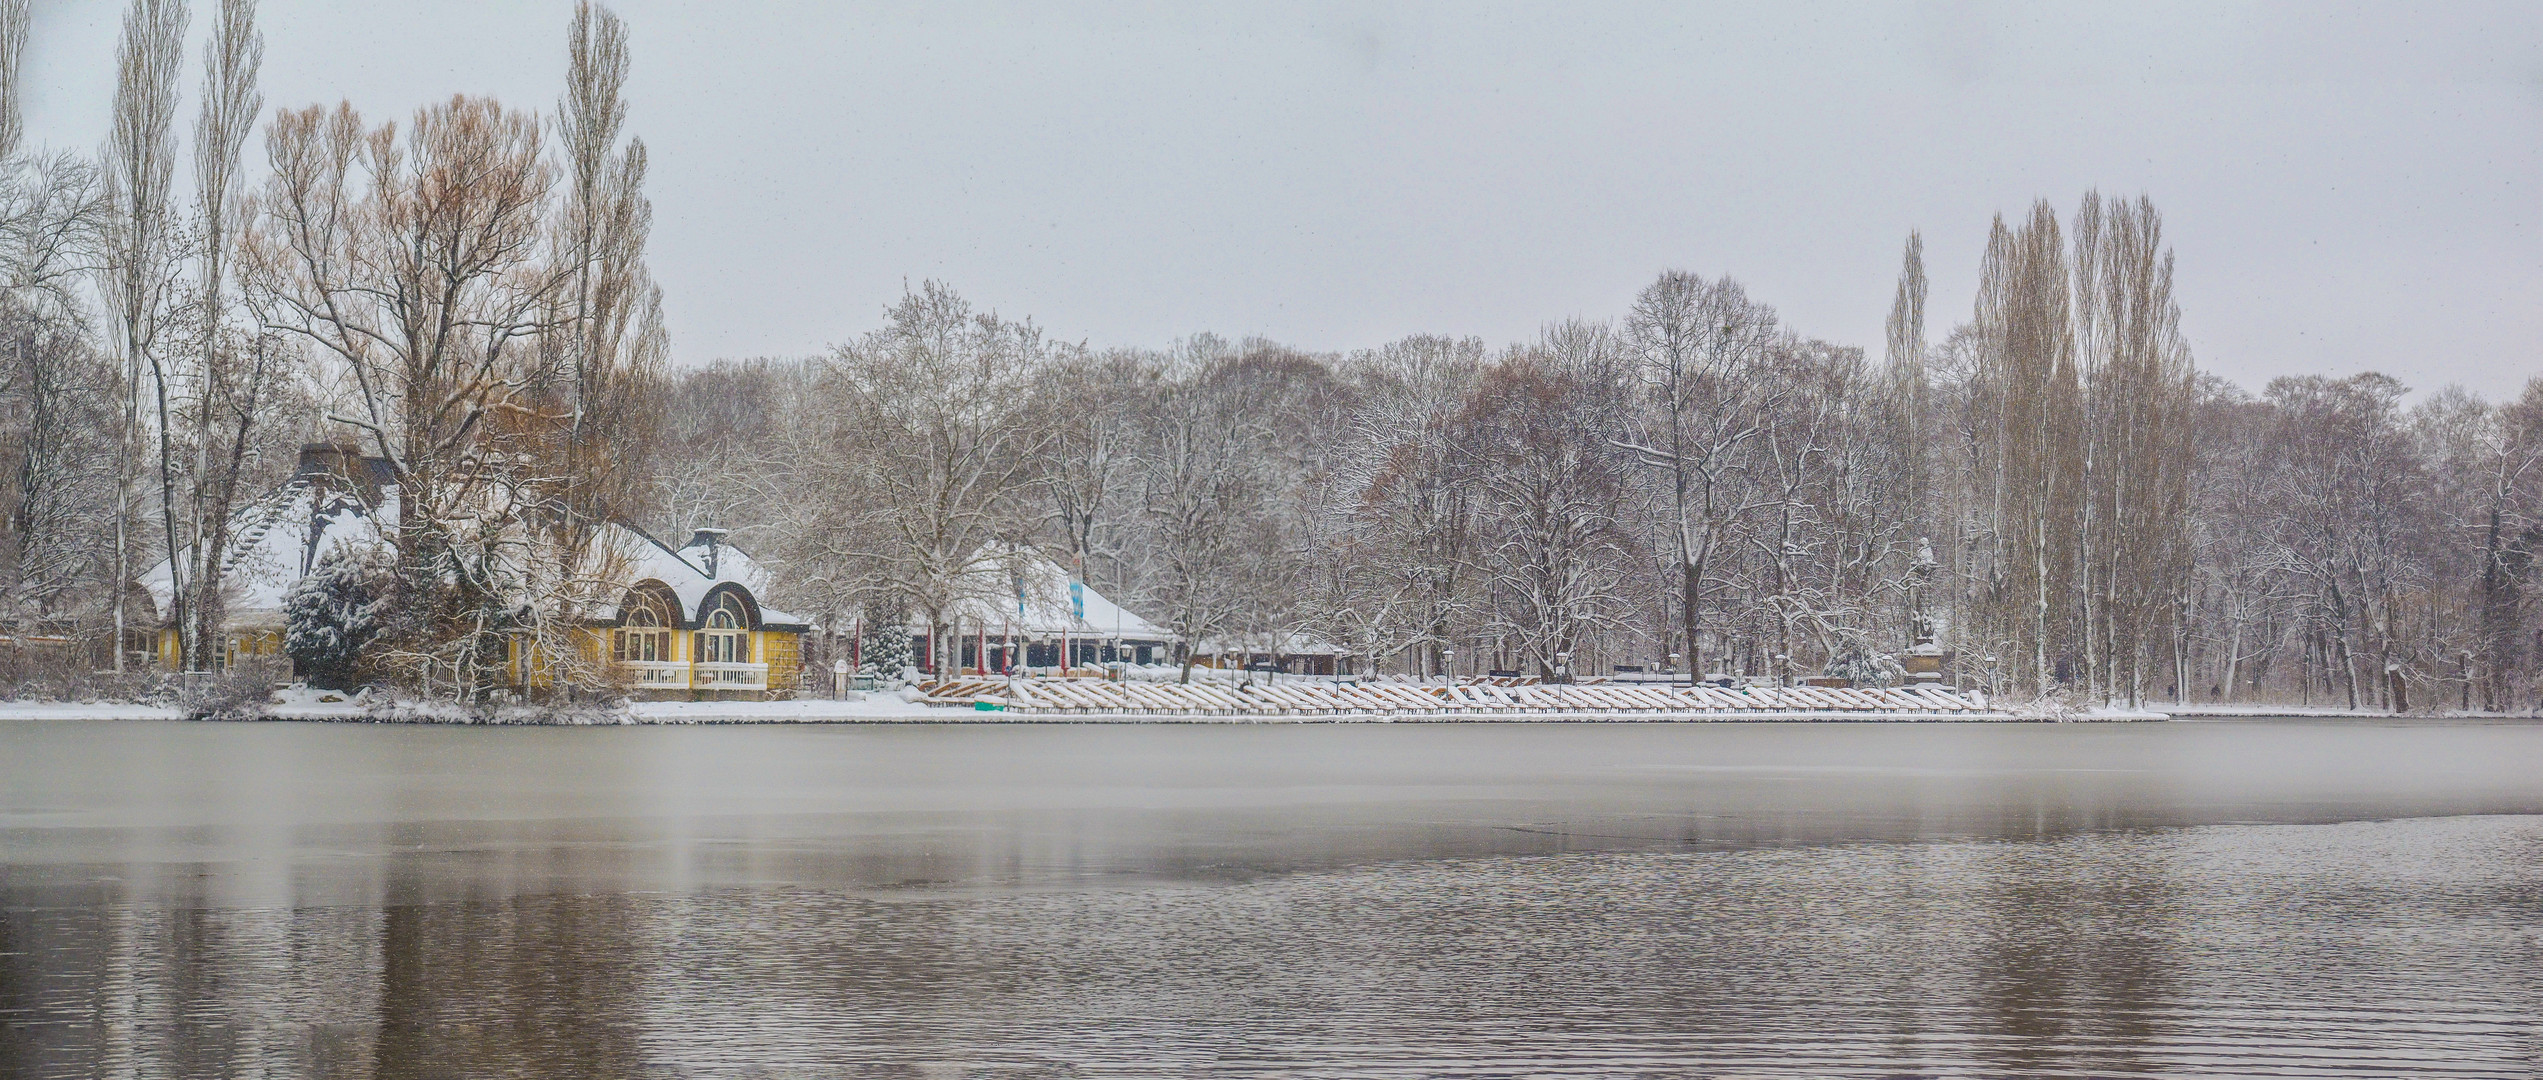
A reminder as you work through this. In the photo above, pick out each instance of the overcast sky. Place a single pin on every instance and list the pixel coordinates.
(2347, 189)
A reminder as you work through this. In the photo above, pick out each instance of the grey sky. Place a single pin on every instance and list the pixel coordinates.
(2346, 188)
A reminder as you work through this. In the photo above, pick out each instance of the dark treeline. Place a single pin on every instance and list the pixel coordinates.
(2049, 490)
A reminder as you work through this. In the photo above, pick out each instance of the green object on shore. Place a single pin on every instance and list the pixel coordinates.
(989, 706)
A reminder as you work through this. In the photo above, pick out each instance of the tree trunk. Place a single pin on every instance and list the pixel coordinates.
(2348, 667)
(2040, 607)
(2233, 664)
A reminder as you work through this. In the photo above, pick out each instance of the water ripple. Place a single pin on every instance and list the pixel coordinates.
(2400, 948)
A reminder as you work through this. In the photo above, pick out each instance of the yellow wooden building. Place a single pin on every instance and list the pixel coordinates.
(689, 622)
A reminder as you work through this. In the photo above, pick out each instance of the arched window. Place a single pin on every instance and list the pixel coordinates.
(646, 635)
(726, 639)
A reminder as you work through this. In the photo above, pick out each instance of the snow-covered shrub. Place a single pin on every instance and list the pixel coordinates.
(241, 692)
(390, 708)
(72, 676)
(1857, 663)
(334, 613)
(885, 654)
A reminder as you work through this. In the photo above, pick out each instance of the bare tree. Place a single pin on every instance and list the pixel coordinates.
(58, 395)
(1198, 478)
(140, 263)
(1537, 441)
(1700, 346)
(2245, 608)
(1090, 404)
(61, 398)
(13, 32)
(2133, 556)
(2487, 467)
(732, 433)
(52, 217)
(231, 388)
(1917, 495)
(1829, 555)
(922, 471)
(613, 339)
(1396, 516)
(2032, 440)
(419, 269)
(2343, 498)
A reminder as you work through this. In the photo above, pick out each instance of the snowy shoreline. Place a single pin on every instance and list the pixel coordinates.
(881, 709)
(2330, 712)
(894, 711)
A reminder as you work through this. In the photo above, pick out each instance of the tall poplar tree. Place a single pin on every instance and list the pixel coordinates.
(231, 389)
(139, 268)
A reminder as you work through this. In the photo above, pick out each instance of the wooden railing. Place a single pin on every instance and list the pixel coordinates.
(656, 674)
(732, 676)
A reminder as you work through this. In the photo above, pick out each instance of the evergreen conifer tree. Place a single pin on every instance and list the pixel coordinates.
(886, 650)
(332, 614)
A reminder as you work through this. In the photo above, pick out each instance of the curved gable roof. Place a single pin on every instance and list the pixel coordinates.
(641, 558)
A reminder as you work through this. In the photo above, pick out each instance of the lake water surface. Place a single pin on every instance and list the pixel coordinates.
(1472, 900)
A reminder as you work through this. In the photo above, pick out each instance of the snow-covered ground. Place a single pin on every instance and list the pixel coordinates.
(875, 708)
(302, 703)
(888, 709)
(82, 710)
(2116, 714)
(2188, 712)
(893, 707)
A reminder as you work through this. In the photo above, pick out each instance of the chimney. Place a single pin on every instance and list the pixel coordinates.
(713, 541)
(341, 467)
(324, 459)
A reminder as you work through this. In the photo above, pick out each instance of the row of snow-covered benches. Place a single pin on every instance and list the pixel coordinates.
(1065, 697)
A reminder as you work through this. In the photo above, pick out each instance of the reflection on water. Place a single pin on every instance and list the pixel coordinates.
(2227, 900)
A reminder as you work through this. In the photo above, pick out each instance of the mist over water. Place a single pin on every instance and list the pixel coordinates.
(1348, 900)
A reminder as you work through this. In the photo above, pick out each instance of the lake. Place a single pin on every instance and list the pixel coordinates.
(2279, 897)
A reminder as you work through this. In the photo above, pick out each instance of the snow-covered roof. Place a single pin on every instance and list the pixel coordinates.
(1034, 598)
(640, 558)
(276, 541)
(283, 536)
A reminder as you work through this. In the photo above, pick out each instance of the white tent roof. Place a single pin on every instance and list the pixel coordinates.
(1036, 602)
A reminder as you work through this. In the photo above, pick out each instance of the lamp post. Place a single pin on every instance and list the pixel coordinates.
(1448, 664)
(1563, 667)
(1673, 667)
